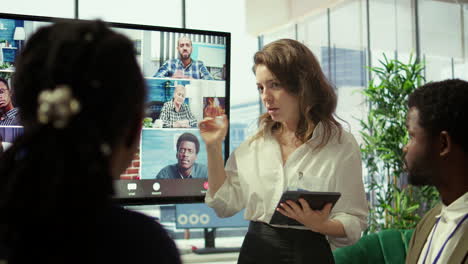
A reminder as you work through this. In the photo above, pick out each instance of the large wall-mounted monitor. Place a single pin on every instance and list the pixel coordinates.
(171, 165)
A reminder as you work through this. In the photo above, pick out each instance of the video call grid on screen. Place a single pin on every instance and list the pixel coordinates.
(204, 85)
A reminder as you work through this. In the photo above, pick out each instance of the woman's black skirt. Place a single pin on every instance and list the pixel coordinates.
(274, 245)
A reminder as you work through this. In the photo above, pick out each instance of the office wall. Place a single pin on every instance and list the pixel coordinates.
(52, 8)
(148, 12)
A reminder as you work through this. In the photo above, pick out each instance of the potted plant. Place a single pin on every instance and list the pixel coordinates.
(5, 74)
(393, 203)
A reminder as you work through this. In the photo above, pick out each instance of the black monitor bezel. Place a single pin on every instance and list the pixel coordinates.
(227, 35)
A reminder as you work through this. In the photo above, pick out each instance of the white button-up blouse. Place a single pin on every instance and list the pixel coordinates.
(256, 179)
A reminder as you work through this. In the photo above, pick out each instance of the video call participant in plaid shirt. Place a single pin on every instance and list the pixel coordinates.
(184, 66)
(176, 113)
(8, 113)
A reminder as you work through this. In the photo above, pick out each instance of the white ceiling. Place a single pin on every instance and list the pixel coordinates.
(266, 15)
(263, 16)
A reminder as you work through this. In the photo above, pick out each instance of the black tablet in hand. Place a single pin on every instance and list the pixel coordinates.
(316, 201)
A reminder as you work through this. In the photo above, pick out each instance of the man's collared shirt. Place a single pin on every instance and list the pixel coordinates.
(195, 70)
(450, 216)
(169, 115)
(4, 146)
(10, 118)
(171, 172)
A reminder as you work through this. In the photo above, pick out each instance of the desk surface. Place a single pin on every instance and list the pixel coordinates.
(185, 247)
(218, 258)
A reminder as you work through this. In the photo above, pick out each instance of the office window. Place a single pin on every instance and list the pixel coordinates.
(345, 60)
(286, 31)
(392, 30)
(461, 66)
(346, 67)
(441, 36)
(313, 32)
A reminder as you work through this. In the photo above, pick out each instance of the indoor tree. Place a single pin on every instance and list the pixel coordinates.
(393, 203)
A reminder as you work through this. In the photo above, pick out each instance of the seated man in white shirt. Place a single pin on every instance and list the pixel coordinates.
(437, 154)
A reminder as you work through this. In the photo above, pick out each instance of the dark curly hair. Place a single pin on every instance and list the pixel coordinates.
(61, 177)
(443, 107)
(188, 137)
(5, 82)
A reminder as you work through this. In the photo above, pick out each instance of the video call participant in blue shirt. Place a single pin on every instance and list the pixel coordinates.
(188, 147)
(184, 66)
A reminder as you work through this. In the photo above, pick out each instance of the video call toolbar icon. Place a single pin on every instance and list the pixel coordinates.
(156, 186)
(131, 186)
(193, 219)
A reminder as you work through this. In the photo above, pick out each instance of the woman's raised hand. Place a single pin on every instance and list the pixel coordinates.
(213, 130)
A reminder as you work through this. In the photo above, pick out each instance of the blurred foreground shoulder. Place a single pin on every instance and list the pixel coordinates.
(137, 238)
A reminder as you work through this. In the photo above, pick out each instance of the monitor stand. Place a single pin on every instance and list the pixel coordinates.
(210, 248)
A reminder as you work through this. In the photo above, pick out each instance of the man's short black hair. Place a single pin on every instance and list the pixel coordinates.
(188, 137)
(5, 82)
(443, 106)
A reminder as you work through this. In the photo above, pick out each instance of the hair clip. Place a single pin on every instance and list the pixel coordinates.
(105, 149)
(57, 106)
(88, 37)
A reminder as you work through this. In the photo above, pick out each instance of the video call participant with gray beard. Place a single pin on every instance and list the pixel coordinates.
(176, 113)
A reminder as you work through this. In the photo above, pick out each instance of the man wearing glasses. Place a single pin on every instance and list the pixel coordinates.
(187, 148)
(8, 113)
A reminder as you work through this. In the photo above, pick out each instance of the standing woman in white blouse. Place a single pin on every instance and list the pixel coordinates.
(299, 145)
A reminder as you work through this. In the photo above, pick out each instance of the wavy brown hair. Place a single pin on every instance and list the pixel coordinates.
(299, 72)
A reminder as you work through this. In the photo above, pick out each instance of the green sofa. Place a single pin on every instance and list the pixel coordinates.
(387, 246)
